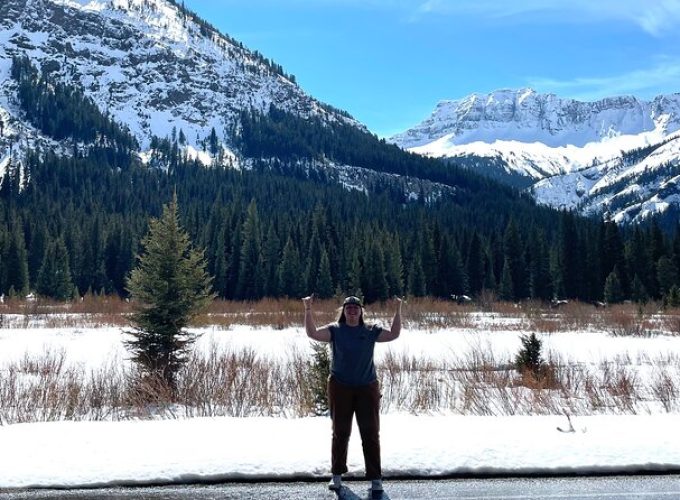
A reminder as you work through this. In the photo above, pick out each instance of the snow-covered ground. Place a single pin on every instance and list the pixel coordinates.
(72, 454)
(110, 453)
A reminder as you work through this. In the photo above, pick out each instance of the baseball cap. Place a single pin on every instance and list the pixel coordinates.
(352, 300)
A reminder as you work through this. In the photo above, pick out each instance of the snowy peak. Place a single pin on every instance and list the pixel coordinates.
(150, 64)
(526, 116)
(666, 112)
(628, 188)
(616, 156)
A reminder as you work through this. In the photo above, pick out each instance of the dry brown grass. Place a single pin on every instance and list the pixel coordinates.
(90, 311)
(422, 313)
(239, 383)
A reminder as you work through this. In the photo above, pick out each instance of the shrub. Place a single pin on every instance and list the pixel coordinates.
(319, 369)
(529, 356)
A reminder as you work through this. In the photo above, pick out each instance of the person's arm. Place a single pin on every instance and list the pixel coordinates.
(322, 334)
(395, 330)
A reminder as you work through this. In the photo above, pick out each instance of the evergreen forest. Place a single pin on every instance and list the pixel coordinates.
(71, 221)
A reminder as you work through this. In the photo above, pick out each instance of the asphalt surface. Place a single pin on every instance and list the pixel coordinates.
(599, 488)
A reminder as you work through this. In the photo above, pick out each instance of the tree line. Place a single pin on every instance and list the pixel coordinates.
(77, 224)
(70, 224)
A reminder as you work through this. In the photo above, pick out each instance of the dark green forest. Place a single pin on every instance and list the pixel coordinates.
(72, 223)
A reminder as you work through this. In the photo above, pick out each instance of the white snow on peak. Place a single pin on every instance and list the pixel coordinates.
(526, 116)
(569, 150)
(149, 65)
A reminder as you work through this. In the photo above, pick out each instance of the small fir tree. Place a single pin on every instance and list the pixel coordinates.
(169, 287)
(319, 371)
(529, 356)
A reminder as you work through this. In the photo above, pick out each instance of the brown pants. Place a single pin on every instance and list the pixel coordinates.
(345, 401)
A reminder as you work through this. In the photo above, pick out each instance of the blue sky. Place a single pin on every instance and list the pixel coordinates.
(388, 62)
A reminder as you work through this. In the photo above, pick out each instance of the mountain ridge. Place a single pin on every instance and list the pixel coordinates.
(150, 65)
(530, 140)
(524, 114)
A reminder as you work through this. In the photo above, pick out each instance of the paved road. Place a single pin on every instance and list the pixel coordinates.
(587, 488)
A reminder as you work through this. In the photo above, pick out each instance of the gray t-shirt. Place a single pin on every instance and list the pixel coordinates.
(352, 348)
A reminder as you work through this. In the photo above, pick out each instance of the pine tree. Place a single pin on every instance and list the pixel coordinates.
(319, 369)
(271, 255)
(506, 287)
(220, 270)
(675, 254)
(74, 243)
(54, 277)
(289, 272)
(324, 282)
(529, 356)
(445, 279)
(514, 262)
(37, 250)
(638, 292)
(17, 263)
(374, 282)
(169, 287)
(592, 268)
(613, 254)
(639, 263)
(540, 282)
(667, 275)
(475, 264)
(428, 257)
(354, 274)
(214, 142)
(313, 260)
(416, 278)
(250, 275)
(459, 283)
(570, 260)
(489, 272)
(394, 270)
(613, 292)
(672, 298)
(4, 246)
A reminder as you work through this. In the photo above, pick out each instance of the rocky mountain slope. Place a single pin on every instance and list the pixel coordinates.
(162, 72)
(149, 63)
(617, 156)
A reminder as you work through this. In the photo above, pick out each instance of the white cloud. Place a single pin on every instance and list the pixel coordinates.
(660, 78)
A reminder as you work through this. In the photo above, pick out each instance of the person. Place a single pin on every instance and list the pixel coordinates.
(353, 387)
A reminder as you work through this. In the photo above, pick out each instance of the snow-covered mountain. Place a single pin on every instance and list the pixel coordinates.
(617, 156)
(150, 64)
(159, 70)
